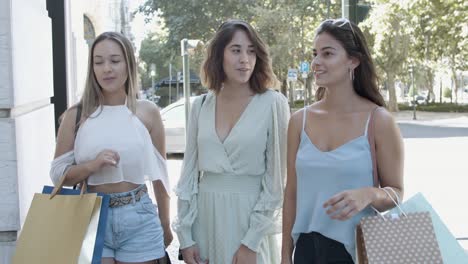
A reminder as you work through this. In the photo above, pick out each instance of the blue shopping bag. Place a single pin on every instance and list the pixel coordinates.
(451, 250)
(101, 222)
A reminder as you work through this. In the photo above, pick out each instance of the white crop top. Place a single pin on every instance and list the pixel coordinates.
(118, 129)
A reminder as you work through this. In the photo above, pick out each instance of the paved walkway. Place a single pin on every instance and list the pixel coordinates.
(433, 118)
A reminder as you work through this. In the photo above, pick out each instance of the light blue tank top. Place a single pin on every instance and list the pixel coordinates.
(320, 175)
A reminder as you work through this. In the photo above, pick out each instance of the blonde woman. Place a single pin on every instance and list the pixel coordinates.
(115, 142)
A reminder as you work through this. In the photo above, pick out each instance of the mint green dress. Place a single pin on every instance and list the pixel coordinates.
(230, 193)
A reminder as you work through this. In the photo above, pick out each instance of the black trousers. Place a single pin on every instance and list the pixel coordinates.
(314, 248)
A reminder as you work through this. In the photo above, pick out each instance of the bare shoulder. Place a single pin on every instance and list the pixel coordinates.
(68, 118)
(147, 107)
(66, 132)
(148, 113)
(275, 96)
(383, 119)
(295, 122)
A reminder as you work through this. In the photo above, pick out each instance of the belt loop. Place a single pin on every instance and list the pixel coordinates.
(133, 198)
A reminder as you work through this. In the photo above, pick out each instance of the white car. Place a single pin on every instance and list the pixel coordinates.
(173, 118)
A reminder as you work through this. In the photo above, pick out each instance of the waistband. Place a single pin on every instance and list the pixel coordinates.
(221, 182)
(124, 198)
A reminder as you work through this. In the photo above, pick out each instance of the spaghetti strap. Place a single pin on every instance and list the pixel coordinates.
(371, 114)
(304, 118)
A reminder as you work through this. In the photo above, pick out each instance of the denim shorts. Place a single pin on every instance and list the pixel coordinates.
(134, 232)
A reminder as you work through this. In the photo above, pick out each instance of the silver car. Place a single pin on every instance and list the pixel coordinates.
(173, 117)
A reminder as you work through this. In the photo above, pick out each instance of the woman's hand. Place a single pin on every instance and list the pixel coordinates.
(346, 204)
(192, 255)
(106, 157)
(167, 237)
(244, 255)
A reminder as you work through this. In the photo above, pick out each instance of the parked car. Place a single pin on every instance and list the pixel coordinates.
(420, 100)
(173, 118)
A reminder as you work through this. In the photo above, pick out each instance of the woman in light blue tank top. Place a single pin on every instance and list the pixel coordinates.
(330, 184)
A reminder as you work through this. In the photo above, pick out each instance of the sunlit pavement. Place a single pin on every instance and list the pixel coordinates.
(174, 165)
(435, 165)
(438, 167)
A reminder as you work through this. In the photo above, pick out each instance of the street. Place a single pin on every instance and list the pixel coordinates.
(435, 165)
(435, 156)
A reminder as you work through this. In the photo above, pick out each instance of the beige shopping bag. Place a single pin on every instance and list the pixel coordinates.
(54, 229)
(397, 238)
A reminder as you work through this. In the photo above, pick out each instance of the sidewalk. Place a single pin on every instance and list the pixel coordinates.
(433, 119)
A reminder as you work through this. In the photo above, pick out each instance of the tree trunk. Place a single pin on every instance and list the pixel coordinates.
(284, 87)
(430, 85)
(455, 84)
(392, 100)
(308, 90)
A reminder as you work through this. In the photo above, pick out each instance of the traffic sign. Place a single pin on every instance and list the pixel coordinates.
(292, 75)
(305, 67)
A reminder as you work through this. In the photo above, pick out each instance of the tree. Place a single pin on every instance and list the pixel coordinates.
(287, 27)
(453, 32)
(153, 50)
(389, 40)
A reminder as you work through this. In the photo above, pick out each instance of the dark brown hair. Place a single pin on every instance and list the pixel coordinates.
(212, 71)
(353, 41)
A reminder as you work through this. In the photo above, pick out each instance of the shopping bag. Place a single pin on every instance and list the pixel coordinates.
(54, 229)
(452, 252)
(397, 237)
(93, 243)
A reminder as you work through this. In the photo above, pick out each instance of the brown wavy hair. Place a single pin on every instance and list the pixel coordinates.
(212, 71)
(353, 41)
(92, 96)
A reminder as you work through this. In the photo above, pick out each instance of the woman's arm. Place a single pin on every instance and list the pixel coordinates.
(390, 159)
(187, 187)
(265, 216)
(161, 194)
(74, 173)
(289, 204)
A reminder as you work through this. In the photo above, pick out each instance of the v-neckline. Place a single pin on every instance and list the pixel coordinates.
(335, 149)
(235, 124)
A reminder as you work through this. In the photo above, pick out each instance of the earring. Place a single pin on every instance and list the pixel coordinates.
(351, 74)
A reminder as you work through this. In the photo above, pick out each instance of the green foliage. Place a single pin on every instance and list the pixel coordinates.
(437, 107)
(424, 34)
(287, 26)
(298, 104)
(447, 93)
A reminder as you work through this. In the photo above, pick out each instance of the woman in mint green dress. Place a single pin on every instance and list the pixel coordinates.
(231, 187)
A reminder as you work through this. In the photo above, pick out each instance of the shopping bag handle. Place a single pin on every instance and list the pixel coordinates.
(396, 202)
(56, 190)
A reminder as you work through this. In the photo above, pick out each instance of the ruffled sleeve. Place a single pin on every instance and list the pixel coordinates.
(156, 167)
(187, 187)
(266, 216)
(60, 166)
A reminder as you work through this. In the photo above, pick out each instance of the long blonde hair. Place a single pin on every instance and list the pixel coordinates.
(92, 96)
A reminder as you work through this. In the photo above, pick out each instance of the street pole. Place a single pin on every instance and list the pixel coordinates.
(186, 76)
(414, 92)
(153, 73)
(177, 85)
(170, 81)
(291, 94)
